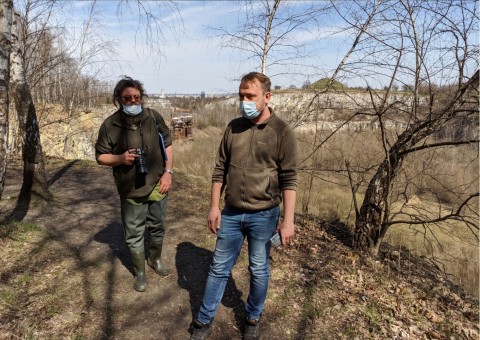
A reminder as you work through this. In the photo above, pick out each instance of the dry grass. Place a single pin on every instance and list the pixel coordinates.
(442, 178)
(429, 184)
(197, 157)
(452, 245)
(328, 201)
(451, 248)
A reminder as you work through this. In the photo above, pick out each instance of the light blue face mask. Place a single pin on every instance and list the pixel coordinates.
(249, 110)
(132, 110)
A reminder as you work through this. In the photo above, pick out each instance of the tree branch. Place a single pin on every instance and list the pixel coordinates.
(434, 145)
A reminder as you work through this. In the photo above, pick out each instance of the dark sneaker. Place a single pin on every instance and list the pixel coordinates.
(252, 330)
(201, 330)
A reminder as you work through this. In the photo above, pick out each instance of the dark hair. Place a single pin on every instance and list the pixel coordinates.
(122, 85)
(263, 80)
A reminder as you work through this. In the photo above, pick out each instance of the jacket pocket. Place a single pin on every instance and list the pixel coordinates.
(273, 190)
(251, 187)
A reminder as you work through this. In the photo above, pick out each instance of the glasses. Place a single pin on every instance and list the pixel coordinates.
(131, 98)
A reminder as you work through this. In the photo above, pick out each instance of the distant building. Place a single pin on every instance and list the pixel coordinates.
(182, 126)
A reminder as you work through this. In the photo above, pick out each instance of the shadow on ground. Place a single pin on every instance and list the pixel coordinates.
(193, 264)
(112, 235)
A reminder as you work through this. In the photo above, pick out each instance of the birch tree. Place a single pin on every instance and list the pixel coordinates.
(267, 33)
(14, 83)
(28, 122)
(35, 40)
(6, 15)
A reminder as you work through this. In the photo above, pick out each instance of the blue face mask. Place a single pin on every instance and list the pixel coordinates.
(249, 110)
(132, 110)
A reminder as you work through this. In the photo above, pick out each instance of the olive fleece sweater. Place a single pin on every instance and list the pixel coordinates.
(256, 162)
(115, 137)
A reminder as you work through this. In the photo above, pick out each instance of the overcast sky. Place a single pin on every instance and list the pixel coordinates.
(192, 60)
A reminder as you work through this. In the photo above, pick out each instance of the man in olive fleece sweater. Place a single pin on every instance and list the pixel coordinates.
(143, 178)
(256, 165)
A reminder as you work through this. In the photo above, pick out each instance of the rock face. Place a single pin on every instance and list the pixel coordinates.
(74, 137)
(302, 107)
(71, 138)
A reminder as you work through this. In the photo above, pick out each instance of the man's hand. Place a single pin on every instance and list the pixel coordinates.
(128, 158)
(165, 182)
(286, 226)
(214, 220)
(287, 231)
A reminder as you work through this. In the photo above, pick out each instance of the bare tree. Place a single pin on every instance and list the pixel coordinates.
(34, 38)
(420, 45)
(316, 107)
(6, 15)
(35, 47)
(91, 54)
(28, 122)
(375, 215)
(266, 32)
(151, 24)
(432, 48)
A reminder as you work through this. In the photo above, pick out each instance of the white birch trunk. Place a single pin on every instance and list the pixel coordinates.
(6, 10)
(27, 120)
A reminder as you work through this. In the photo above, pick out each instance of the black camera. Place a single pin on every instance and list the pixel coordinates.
(141, 161)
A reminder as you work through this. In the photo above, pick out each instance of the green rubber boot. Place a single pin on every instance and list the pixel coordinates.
(138, 260)
(154, 259)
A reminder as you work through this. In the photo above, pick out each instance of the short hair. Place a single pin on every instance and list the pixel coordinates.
(262, 79)
(122, 85)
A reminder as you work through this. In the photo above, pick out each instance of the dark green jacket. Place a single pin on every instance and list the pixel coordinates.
(256, 162)
(115, 137)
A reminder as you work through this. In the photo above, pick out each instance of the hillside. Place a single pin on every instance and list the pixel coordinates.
(65, 274)
(74, 138)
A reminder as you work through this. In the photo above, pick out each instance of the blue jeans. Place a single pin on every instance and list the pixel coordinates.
(257, 227)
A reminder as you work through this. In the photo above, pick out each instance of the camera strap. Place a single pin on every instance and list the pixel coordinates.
(126, 133)
(141, 135)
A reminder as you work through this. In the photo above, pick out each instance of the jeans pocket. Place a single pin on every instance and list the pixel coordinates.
(272, 212)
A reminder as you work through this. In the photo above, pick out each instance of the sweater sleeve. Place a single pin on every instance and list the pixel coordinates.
(102, 145)
(222, 160)
(287, 167)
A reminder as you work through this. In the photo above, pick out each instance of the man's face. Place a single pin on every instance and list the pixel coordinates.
(251, 91)
(130, 96)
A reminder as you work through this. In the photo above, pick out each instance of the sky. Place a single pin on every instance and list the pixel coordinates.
(189, 59)
(192, 59)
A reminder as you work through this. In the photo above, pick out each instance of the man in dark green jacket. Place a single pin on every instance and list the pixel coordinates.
(256, 165)
(136, 143)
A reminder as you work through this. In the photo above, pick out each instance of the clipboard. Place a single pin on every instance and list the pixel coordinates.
(162, 147)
